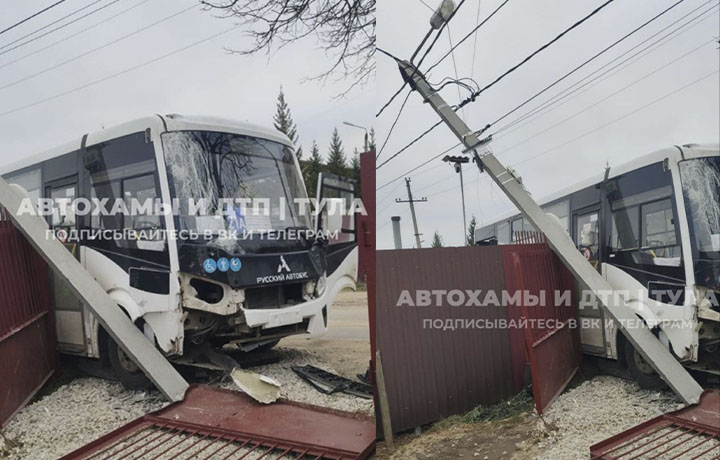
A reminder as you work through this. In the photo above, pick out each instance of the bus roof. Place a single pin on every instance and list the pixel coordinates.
(161, 123)
(678, 152)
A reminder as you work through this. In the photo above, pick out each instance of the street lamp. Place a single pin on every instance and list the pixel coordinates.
(361, 127)
(458, 162)
(442, 14)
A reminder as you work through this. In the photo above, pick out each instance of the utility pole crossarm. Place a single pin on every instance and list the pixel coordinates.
(674, 374)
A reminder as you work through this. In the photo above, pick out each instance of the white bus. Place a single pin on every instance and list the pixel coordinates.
(652, 228)
(187, 286)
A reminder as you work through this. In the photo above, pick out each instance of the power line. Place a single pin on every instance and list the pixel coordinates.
(474, 31)
(506, 73)
(98, 48)
(392, 98)
(655, 101)
(61, 26)
(74, 34)
(117, 74)
(31, 16)
(536, 52)
(606, 49)
(477, 19)
(419, 166)
(569, 93)
(427, 131)
(649, 74)
(393, 125)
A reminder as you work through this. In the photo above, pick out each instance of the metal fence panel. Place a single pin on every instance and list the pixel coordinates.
(429, 373)
(27, 331)
(551, 343)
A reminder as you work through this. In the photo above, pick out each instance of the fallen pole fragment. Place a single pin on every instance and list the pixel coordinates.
(109, 314)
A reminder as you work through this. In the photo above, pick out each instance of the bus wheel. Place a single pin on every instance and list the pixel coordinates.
(126, 371)
(641, 371)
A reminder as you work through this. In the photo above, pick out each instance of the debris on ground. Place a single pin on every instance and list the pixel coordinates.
(295, 388)
(259, 387)
(329, 383)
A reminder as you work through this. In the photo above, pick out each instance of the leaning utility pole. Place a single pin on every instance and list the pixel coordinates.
(412, 210)
(637, 333)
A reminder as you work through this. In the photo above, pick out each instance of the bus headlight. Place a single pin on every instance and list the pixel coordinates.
(310, 288)
(320, 286)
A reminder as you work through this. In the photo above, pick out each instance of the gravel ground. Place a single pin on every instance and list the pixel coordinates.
(86, 408)
(595, 410)
(72, 416)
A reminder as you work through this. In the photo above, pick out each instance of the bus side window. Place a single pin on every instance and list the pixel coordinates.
(123, 170)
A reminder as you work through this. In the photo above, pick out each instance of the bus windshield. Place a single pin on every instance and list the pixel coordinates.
(233, 183)
(701, 190)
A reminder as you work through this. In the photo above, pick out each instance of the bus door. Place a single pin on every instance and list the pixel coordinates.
(68, 308)
(586, 233)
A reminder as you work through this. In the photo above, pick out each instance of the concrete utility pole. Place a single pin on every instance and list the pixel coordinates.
(655, 353)
(412, 210)
(106, 310)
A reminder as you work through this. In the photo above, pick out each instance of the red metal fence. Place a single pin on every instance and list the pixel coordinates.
(551, 343)
(27, 331)
(211, 423)
(433, 372)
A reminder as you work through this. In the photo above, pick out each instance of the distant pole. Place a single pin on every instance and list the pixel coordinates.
(412, 210)
(396, 231)
(462, 192)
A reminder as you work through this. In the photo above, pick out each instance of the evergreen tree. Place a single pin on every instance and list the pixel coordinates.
(355, 172)
(313, 167)
(471, 232)
(284, 122)
(336, 164)
(372, 142)
(437, 241)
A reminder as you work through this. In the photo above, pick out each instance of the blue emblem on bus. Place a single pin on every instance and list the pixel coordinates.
(209, 266)
(223, 264)
(235, 264)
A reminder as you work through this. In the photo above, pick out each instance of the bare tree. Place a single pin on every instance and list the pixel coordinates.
(345, 29)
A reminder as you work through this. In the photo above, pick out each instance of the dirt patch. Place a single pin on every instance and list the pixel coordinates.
(486, 440)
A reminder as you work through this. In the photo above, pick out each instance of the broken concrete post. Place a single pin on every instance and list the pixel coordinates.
(108, 313)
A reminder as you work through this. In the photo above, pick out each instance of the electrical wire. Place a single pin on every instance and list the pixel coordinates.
(392, 98)
(427, 131)
(393, 125)
(506, 73)
(31, 16)
(61, 26)
(574, 88)
(98, 48)
(536, 52)
(74, 34)
(419, 166)
(605, 98)
(474, 31)
(606, 49)
(117, 74)
(653, 102)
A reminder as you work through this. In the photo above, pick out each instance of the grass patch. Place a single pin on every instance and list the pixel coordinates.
(521, 402)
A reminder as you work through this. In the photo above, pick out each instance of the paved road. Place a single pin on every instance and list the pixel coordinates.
(346, 346)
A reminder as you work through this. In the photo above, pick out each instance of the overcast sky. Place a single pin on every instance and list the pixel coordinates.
(202, 80)
(691, 115)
